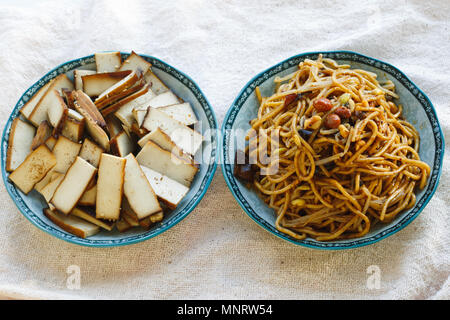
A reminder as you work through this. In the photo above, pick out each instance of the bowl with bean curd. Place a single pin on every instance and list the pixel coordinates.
(332, 150)
(110, 149)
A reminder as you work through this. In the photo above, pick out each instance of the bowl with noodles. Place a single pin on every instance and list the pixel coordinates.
(332, 150)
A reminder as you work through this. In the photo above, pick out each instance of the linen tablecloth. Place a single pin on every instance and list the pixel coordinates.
(218, 251)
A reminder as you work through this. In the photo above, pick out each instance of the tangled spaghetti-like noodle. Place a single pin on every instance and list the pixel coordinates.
(335, 183)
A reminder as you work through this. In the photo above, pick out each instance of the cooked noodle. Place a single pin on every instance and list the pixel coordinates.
(334, 182)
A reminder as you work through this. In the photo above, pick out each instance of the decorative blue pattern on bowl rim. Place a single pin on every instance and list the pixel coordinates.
(46, 225)
(248, 90)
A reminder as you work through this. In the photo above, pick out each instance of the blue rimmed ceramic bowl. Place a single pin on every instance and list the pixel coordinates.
(31, 205)
(418, 110)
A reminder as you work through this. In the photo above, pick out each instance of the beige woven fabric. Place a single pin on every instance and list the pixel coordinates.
(217, 251)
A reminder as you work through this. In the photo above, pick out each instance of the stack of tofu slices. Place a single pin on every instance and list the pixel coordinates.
(111, 149)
